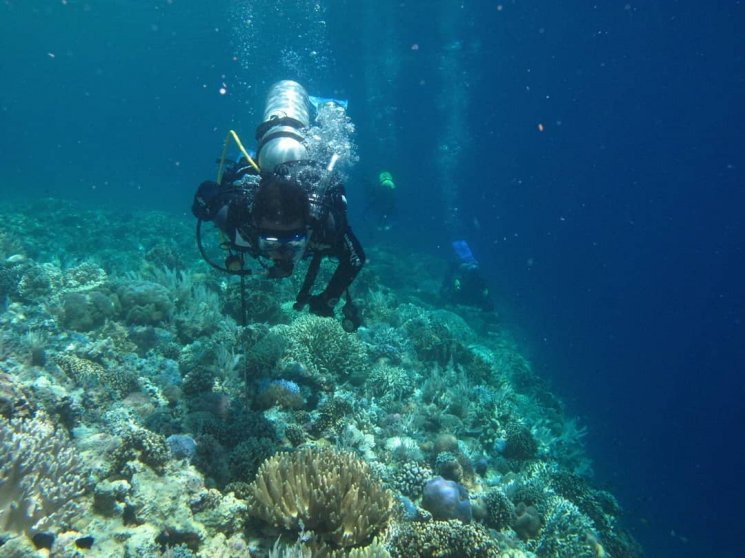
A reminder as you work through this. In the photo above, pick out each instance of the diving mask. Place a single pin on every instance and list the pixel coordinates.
(284, 248)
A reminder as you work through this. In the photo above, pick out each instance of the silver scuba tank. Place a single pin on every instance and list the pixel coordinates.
(286, 114)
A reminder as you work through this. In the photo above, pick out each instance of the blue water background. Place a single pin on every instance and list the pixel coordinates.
(613, 239)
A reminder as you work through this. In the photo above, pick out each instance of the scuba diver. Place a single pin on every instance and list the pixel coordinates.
(464, 283)
(285, 208)
(381, 200)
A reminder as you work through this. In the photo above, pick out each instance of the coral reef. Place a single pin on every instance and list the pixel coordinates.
(283, 393)
(179, 417)
(247, 457)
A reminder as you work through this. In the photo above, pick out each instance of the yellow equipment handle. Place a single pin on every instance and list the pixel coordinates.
(232, 135)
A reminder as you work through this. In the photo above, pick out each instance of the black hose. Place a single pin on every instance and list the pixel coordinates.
(207, 259)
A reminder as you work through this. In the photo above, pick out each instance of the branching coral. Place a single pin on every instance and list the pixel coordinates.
(576, 490)
(332, 495)
(567, 532)
(331, 413)
(39, 281)
(247, 456)
(84, 277)
(40, 477)
(390, 383)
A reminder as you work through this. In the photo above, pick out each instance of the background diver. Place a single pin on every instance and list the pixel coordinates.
(381, 200)
(464, 282)
(290, 209)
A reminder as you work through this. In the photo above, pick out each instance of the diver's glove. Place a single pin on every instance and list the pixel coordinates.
(203, 206)
(322, 305)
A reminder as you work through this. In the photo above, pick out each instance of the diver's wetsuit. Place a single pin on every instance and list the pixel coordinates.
(329, 231)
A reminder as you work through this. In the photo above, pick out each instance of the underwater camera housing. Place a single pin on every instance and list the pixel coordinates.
(286, 114)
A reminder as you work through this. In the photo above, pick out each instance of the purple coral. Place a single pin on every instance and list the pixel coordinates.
(446, 499)
(182, 446)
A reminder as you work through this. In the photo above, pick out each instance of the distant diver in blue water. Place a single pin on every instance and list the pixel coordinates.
(381, 196)
(464, 282)
(285, 208)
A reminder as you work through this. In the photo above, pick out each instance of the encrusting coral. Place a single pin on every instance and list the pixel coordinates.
(331, 496)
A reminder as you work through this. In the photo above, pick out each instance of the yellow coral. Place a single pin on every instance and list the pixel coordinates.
(329, 494)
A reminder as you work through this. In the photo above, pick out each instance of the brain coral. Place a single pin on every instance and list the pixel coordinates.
(40, 477)
(331, 494)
